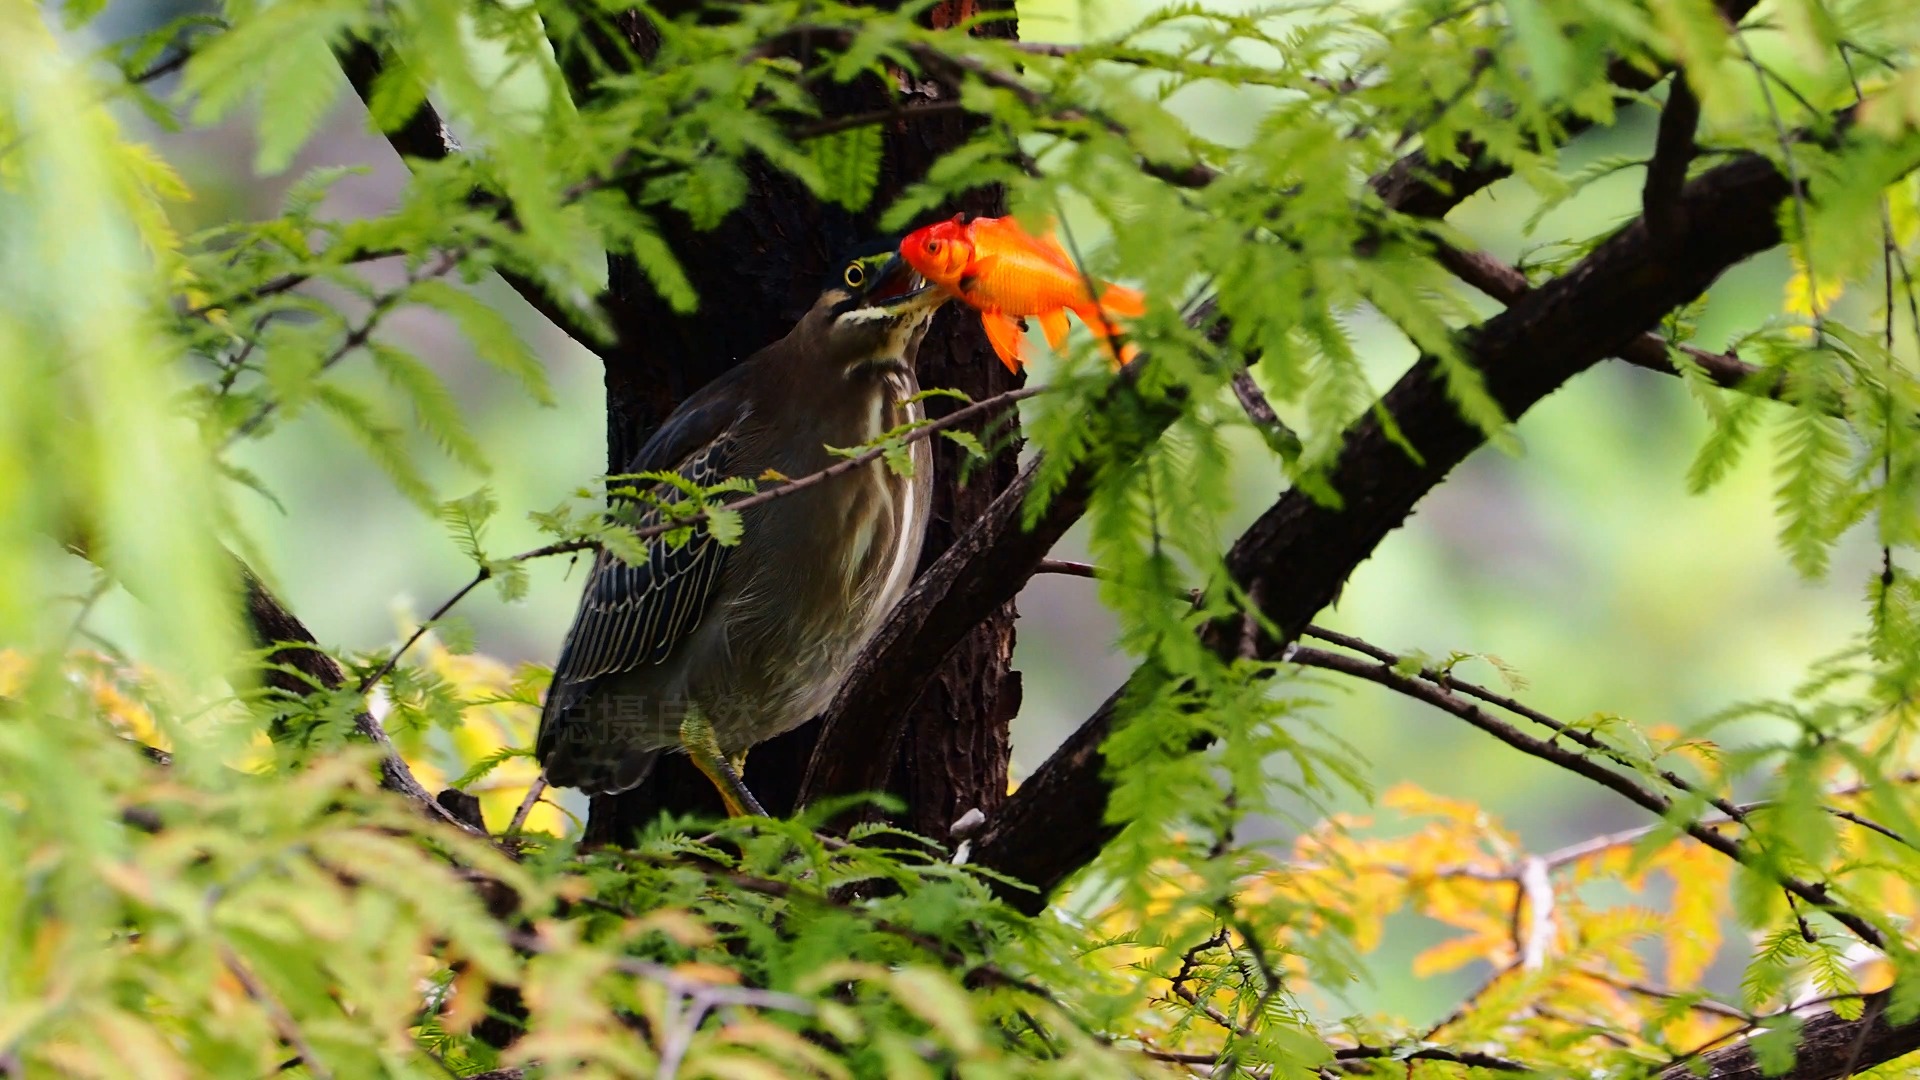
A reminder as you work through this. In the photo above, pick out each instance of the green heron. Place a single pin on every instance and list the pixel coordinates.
(716, 648)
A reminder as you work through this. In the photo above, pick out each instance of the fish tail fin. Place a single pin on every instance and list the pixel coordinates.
(1004, 333)
(1100, 320)
(1117, 302)
(1124, 302)
(1054, 325)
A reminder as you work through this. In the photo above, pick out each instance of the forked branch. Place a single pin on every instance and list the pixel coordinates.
(1299, 553)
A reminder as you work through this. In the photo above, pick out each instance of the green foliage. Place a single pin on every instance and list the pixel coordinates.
(849, 163)
(256, 903)
(494, 338)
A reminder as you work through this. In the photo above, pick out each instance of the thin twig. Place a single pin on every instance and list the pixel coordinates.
(420, 631)
(1507, 284)
(485, 573)
(1536, 895)
(1473, 1058)
(287, 282)
(162, 69)
(1467, 1003)
(1584, 738)
(283, 1021)
(1730, 813)
(356, 338)
(298, 667)
(1797, 192)
(1214, 1014)
(1814, 893)
(838, 468)
(1592, 846)
(1260, 411)
(1698, 1004)
(778, 491)
(527, 804)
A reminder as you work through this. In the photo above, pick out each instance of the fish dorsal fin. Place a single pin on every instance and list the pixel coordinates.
(1046, 245)
(1052, 240)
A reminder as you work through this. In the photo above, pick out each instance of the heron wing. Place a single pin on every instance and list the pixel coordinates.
(635, 613)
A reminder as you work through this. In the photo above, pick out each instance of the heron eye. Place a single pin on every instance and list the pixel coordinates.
(855, 276)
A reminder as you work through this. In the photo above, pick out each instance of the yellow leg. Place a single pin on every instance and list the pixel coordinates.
(696, 735)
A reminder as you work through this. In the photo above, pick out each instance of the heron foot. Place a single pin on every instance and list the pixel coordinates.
(700, 743)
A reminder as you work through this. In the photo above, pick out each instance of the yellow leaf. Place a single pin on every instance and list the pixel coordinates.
(14, 666)
(1808, 297)
(773, 1040)
(1700, 886)
(1458, 952)
(1874, 975)
(733, 1066)
(1896, 108)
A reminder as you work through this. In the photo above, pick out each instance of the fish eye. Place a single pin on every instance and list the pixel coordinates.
(933, 246)
(855, 276)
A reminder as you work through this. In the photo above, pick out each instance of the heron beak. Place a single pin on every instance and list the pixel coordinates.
(899, 292)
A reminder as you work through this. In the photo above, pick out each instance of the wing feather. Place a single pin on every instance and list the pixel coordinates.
(633, 615)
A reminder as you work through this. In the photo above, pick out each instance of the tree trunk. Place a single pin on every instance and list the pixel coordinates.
(756, 274)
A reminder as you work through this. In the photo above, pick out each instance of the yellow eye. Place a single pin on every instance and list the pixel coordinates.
(855, 276)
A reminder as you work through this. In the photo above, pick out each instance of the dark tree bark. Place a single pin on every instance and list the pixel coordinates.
(756, 274)
(1829, 1048)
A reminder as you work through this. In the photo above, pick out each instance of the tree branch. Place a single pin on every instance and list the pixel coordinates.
(1673, 151)
(1299, 553)
(1830, 1048)
(1568, 732)
(1572, 760)
(294, 647)
(984, 569)
(1418, 185)
(1507, 284)
(424, 135)
(988, 566)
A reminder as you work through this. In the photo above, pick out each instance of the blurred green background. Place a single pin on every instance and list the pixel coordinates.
(1582, 561)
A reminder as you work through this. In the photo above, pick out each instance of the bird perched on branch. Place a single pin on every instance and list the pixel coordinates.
(716, 648)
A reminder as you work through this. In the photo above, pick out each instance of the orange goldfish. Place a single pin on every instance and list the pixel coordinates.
(1004, 272)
